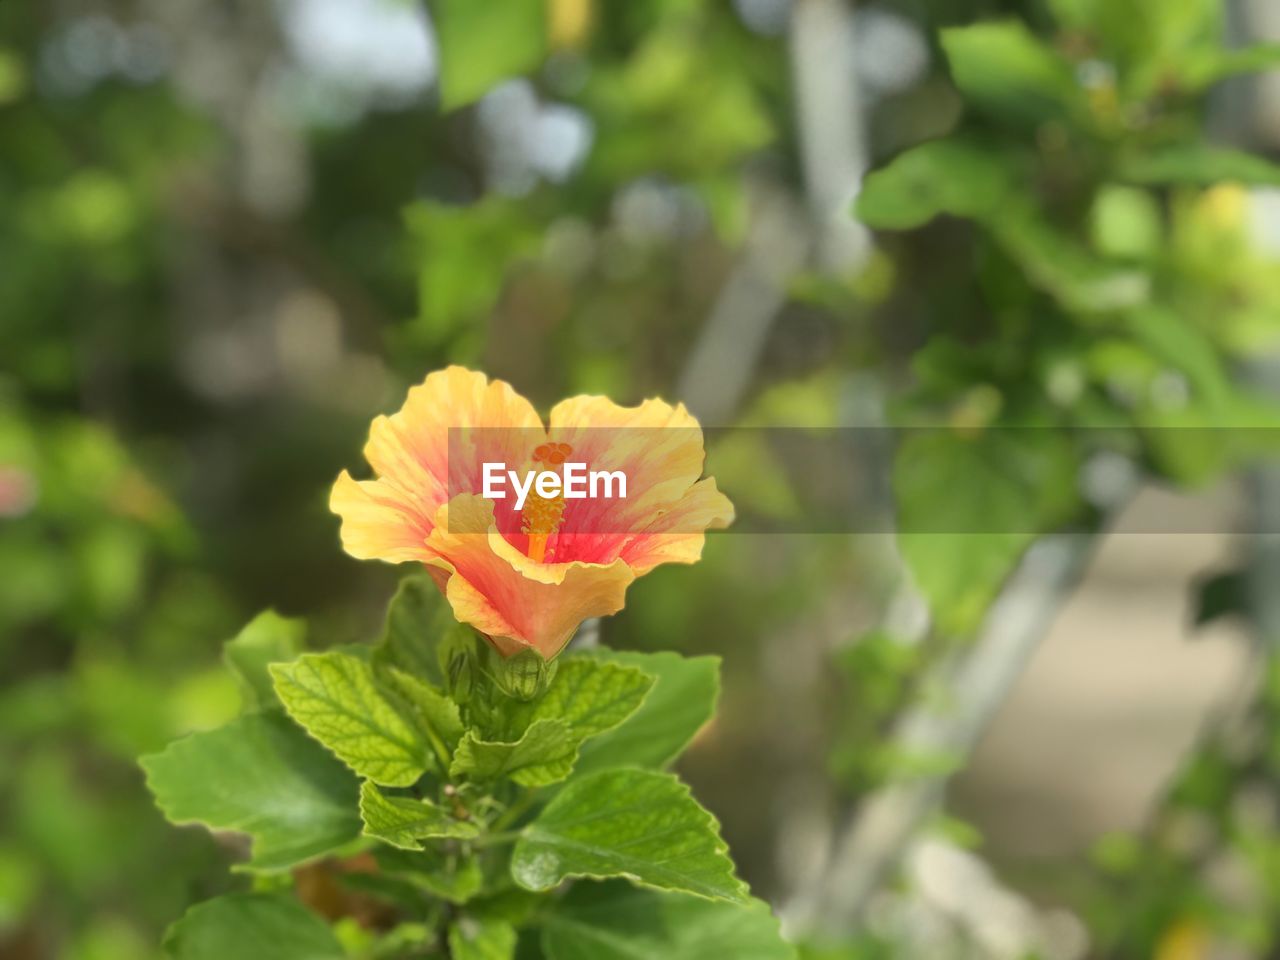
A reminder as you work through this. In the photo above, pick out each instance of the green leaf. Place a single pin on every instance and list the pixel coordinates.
(473, 938)
(1198, 164)
(417, 618)
(481, 44)
(616, 921)
(1006, 71)
(1149, 41)
(1125, 222)
(262, 776)
(450, 876)
(336, 698)
(379, 885)
(268, 638)
(969, 504)
(1222, 595)
(589, 694)
(465, 254)
(403, 821)
(956, 177)
(1183, 344)
(431, 711)
(1057, 263)
(638, 824)
(544, 754)
(682, 700)
(1207, 67)
(650, 125)
(13, 77)
(251, 926)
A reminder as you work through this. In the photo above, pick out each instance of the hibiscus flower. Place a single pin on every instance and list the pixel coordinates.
(527, 578)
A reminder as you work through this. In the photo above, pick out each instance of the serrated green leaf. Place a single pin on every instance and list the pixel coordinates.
(268, 638)
(427, 707)
(481, 44)
(616, 921)
(544, 754)
(638, 824)
(475, 938)
(404, 821)
(1005, 70)
(449, 876)
(416, 619)
(591, 695)
(682, 699)
(262, 776)
(1198, 164)
(336, 699)
(251, 926)
(956, 177)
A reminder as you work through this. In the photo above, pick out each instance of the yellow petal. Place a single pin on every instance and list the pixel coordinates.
(436, 444)
(484, 420)
(658, 447)
(677, 535)
(379, 521)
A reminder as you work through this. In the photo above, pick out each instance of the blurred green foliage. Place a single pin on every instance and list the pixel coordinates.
(220, 257)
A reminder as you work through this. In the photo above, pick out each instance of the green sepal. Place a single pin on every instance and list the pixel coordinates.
(460, 654)
(524, 675)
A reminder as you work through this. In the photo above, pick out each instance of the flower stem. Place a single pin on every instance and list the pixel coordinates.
(497, 839)
(514, 812)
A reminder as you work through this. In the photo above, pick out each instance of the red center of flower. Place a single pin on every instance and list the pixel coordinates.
(541, 516)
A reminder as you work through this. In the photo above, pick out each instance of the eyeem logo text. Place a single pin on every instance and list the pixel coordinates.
(574, 483)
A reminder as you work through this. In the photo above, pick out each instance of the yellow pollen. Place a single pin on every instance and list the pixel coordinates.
(542, 516)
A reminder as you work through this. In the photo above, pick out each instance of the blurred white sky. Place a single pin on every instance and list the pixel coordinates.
(382, 46)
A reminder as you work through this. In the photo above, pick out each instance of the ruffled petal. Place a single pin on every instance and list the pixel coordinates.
(505, 595)
(379, 520)
(677, 536)
(435, 445)
(425, 505)
(658, 447)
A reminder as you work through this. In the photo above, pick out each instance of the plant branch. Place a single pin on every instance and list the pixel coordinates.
(874, 839)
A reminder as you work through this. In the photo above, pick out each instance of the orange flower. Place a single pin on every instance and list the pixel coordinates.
(528, 577)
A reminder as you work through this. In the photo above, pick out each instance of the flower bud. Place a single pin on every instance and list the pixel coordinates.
(524, 675)
(460, 677)
(457, 662)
